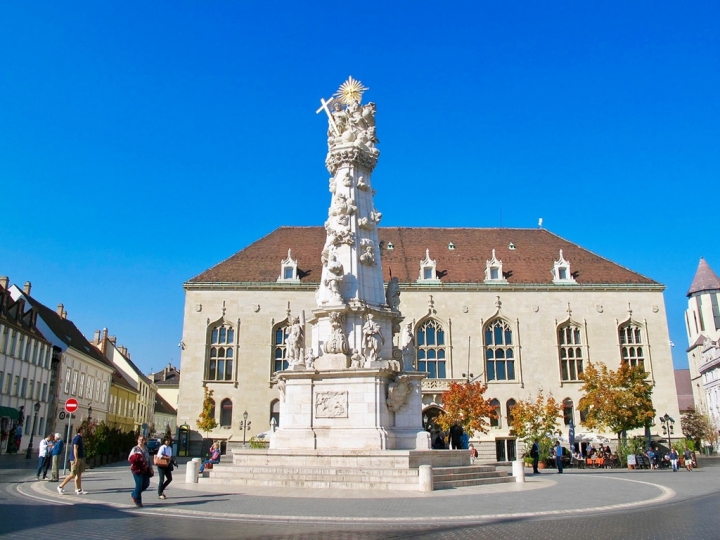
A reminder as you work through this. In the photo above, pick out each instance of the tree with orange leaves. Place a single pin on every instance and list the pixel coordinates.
(465, 403)
(616, 400)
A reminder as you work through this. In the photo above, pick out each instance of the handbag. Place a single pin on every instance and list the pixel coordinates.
(150, 471)
(162, 461)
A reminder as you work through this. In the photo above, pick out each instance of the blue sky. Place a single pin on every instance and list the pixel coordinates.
(141, 143)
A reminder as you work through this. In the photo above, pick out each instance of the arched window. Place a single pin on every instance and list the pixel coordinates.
(567, 411)
(221, 354)
(226, 413)
(509, 410)
(431, 349)
(631, 345)
(212, 408)
(571, 357)
(275, 411)
(279, 358)
(499, 351)
(495, 404)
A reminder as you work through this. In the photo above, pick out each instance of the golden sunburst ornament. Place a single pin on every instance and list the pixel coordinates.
(350, 91)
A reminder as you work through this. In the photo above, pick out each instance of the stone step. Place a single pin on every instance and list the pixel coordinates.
(476, 482)
(468, 476)
(323, 484)
(246, 469)
(463, 470)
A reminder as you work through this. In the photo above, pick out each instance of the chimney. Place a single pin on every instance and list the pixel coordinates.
(4, 282)
(60, 309)
(97, 337)
(112, 339)
(27, 288)
(64, 314)
(104, 333)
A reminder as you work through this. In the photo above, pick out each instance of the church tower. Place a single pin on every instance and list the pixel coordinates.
(702, 321)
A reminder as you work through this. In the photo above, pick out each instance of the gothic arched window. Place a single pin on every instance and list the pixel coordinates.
(499, 351)
(275, 411)
(221, 353)
(495, 404)
(571, 357)
(567, 411)
(279, 357)
(509, 406)
(431, 349)
(631, 345)
(226, 413)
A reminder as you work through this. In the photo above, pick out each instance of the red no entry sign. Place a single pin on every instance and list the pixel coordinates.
(71, 405)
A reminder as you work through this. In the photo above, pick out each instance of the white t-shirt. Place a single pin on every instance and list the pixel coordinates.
(165, 450)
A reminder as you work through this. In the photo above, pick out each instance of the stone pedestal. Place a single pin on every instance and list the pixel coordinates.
(348, 409)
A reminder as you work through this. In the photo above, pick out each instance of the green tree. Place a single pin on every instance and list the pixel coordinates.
(206, 421)
(617, 401)
(537, 418)
(698, 427)
(465, 403)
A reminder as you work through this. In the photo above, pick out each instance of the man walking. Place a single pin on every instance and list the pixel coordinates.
(456, 433)
(77, 464)
(57, 452)
(558, 456)
(535, 455)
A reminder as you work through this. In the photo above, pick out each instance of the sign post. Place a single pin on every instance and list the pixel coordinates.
(71, 405)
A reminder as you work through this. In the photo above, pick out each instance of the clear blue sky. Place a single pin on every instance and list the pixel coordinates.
(143, 142)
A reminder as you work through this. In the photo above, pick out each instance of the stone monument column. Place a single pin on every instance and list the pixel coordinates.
(358, 393)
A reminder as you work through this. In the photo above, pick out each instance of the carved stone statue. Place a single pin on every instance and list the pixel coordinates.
(392, 295)
(368, 255)
(356, 359)
(295, 341)
(334, 277)
(341, 206)
(337, 344)
(407, 341)
(372, 339)
(310, 358)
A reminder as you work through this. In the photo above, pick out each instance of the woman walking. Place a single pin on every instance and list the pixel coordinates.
(165, 463)
(141, 468)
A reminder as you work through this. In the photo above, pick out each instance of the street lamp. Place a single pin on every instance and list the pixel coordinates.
(667, 425)
(36, 407)
(245, 425)
(89, 413)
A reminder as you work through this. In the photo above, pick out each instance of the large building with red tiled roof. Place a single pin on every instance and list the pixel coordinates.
(519, 309)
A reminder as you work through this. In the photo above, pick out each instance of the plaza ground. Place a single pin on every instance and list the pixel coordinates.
(623, 503)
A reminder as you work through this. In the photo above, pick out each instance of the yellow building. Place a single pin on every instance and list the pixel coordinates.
(123, 399)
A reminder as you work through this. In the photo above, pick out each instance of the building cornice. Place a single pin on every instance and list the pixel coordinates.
(423, 287)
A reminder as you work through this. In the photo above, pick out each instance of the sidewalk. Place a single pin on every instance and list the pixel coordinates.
(575, 492)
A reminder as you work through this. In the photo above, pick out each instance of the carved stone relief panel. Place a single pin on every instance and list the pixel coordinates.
(331, 405)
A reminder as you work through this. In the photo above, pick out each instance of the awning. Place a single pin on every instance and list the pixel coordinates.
(9, 412)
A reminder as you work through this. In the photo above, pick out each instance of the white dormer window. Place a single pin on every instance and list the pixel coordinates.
(561, 271)
(451, 246)
(390, 246)
(493, 270)
(288, 269)
(428, 269)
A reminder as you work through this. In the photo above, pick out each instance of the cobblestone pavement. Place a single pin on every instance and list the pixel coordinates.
(614, 504)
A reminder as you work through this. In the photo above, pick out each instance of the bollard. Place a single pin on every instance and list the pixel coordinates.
(518, 470)
(191, 472)
(425, 478)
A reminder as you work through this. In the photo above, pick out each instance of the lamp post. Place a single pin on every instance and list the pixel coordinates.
(245, 425)
(667, 425)
(89, 413)
(36, 407)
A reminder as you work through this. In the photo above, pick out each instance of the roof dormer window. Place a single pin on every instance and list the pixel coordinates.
(288, 269)
(561, 271)
(451, 246)
(493, 270)
(390, 246)
(428, 269)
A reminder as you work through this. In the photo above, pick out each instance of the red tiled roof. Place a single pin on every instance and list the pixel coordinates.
(705, 279)
(531, 262)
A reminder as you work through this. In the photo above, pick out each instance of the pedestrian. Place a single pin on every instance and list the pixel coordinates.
(558, 456)
(214, 457)
(535, 455)
(165, 463)
(673, 459)
(44, 456)
(141, 468)
(77, 464)
(57, 450)
(456, 433)
(473, 454)
(687, 454)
